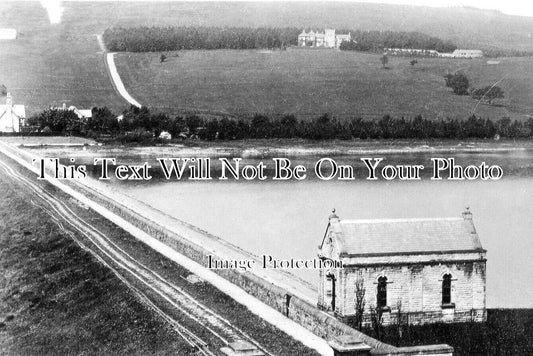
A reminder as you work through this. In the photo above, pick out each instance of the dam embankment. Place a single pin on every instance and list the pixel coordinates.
(287, 294)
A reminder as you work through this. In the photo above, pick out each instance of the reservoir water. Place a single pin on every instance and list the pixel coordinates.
(288, 219)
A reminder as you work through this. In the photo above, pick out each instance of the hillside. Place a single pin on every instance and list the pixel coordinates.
(55, 64)
(309, 83)
(466, 26)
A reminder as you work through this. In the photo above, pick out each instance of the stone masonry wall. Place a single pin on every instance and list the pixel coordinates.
(320, 323)
(415, 291)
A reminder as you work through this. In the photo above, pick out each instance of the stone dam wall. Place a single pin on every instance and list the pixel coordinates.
(320, 323)
(304, 313)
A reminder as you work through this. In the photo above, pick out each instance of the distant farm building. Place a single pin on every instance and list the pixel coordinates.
(326, 39)
(81, 113)
(419, 270)
(12, 117)
(467, 53)
(458, 53)
(411, 52)
(8, 34)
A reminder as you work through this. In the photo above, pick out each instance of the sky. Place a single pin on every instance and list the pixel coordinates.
(511, 7)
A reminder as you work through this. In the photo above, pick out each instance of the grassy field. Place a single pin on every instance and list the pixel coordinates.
(311, 82)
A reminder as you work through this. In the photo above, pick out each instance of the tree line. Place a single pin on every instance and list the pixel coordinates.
(160, 39)
(499, 52)
(139, 124)
(376, 41)
(157, 39)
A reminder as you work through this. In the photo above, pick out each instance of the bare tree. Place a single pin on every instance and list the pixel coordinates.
(359, 302)
(376, 318)
(399, 316)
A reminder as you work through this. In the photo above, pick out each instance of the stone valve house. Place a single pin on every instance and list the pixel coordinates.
(412, 271)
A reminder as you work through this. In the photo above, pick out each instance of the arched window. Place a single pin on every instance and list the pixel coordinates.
(330, 290)
(382, 292)
(447, 289)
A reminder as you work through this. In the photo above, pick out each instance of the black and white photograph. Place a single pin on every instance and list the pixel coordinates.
(266, 178)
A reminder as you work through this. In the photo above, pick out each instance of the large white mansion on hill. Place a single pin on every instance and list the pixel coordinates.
(326, 39)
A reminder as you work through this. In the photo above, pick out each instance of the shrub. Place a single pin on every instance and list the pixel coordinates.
(59, 121)
(138, 135)
(488, 93)
(458, 82)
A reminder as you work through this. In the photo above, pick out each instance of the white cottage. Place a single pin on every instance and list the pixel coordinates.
(8, 34)
(11, 116)
(417, 270)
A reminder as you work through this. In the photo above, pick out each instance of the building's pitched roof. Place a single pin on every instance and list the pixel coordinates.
(86, 112)
(18, 110)
(317, 33)
(8, 34)
(471, 51)
(405, 236)
(81, 113)
(311, 32)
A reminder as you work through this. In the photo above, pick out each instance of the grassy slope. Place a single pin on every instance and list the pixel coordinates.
(311, 82)
(53, 64)
(55, 299)
(467, 26)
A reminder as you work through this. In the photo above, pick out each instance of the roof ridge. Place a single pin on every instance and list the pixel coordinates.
(397, 220)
